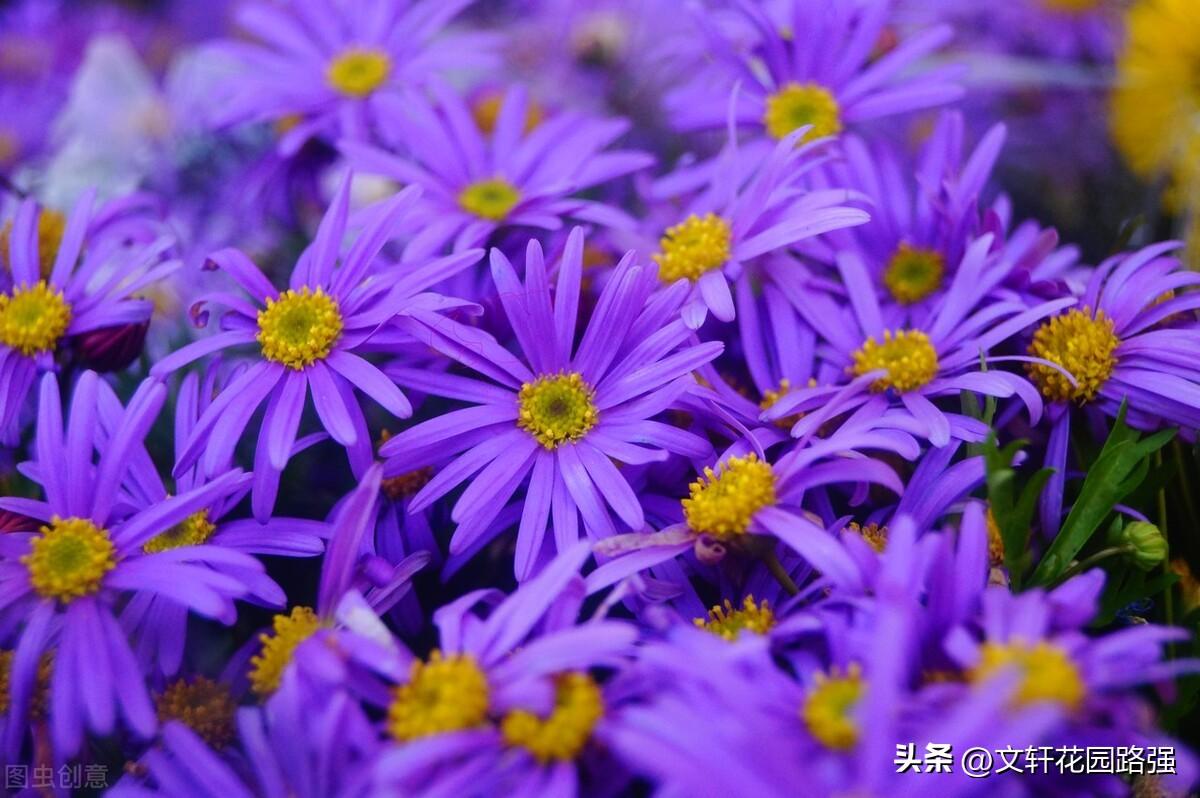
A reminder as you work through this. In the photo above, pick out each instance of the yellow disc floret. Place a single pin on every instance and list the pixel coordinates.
(50, 228)
(278, 646)
(694, 247)
(359, 71)
(913, 273)
(192, 531)
(578, 707)
(729, 623)
(490, 199)
(486, 112)
(442, 695)
(33, 318)
(68, 558)
(828, 710)
(557, 409)
(799, 104)
(204, 706)
(1047, 672)
(907, 356)
(299, 328)
(1082, 344)
(723, 502)
(873, 534)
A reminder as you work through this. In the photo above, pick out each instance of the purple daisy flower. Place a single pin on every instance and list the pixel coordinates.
(308, 339)
(157, 624)
(741, 215)
(893, 374)
(477, 182)
(324, 68)
(89, 557)
(558, 417)
(67, 277)
(818, 67)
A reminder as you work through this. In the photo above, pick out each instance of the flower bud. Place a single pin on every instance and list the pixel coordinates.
(1147, 545)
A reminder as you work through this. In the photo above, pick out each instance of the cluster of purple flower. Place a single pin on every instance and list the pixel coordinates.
(694, 382)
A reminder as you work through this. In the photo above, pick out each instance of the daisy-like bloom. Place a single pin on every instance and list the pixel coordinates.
(159, 625)
(894, 373)
(745, 503)
(478, 182)
(511, 694)
(816, 66)
(1125, 339)
(308, 337)
(736, 219)
(556, 418)
(324, 68)
(88, 559)
(63, 280)
(1156, 99)
(284, 748)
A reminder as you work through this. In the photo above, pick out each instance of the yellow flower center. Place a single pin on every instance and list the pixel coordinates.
(578, 707)
(1081, 343)
(557, 409)
(192, 531)
(729, 623)
(50, 228)
(723, 502)
(1071, 6)
(406, 485)
(442, 695)
(828, 709)
(1047, 672)
(278, 646)
(876, 536)
(913, 273)
(489, 199)
(907, 356)
(204, 706)
(33, 318)
(359, 71)
(299, 328)
(486, 112)
(694, 247)
(995, 541)
(799, 104)
(68, 559)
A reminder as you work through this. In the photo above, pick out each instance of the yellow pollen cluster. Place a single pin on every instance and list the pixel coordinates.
(442, 695)
(995, 541)
(50, 228)
(913, 273)
(33, 318)
(578, 707)
(1084, 345)
(192, 531)
(723, 502)
(1047, 672)
(907, 356)
(729, 623)
(1071, 6)
(278, 646)
(799, 104)
(68, 558)
(408, 484)
(875, 535)
(828, 709)
(359, 71)
(486, 112)
(490, 199)
(694, 247)
(299, 328)
(204, 706)
(557, 409)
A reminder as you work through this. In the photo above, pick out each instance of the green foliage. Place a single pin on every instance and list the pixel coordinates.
(1012, 505)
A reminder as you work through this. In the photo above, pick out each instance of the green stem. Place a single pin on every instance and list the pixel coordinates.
(1100, 556)
(781, 575)
(1168, 589)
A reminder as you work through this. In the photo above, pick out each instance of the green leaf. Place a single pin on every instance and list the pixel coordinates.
(1118, 471)
(1012, 507)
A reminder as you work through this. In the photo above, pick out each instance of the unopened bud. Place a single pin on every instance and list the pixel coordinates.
(1148, 547)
